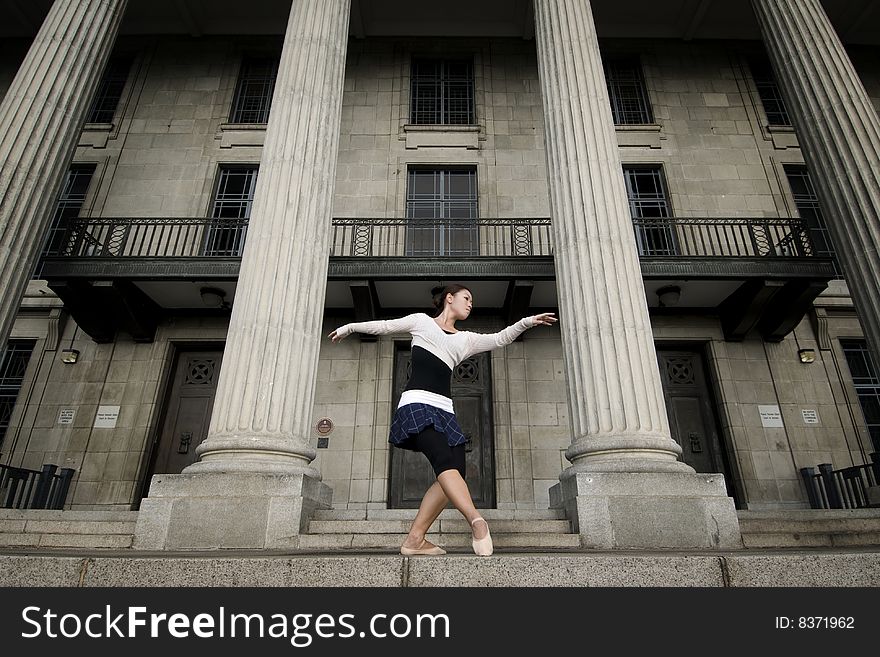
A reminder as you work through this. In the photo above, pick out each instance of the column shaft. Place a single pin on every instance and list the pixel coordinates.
(839, 133)
(618, 413)
(40, 121)
(262, 414)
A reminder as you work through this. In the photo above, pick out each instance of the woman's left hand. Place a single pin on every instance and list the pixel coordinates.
(546, 319)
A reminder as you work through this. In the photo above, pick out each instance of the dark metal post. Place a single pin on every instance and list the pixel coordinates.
(875, 467)
(62, 485)
(809, 475)
(44, 485)
(827, 473)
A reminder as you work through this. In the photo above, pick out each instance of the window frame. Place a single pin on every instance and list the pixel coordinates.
(238, 113)
(443, 83)
(222, 240)
(444, 229)
(612, 67)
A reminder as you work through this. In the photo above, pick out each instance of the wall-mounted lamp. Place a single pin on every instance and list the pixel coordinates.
(69, 356)
(213, 297)
(807, 355)
(668, 295)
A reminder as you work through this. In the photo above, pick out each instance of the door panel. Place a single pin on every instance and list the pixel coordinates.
(692, 418)
(187, 410)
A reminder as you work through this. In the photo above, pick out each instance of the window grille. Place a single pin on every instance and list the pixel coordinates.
(770, 94)
(442, 92)
(443, 206)
(253, 92)
(867, 385)
(807, 203)
(68, 206)
(627, 92)
(646, 190)
(233, 201)
(12, 369)
(109, 92)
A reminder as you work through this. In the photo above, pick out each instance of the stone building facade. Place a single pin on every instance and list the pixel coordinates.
(754, 348)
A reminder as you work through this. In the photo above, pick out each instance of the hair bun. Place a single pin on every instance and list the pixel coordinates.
(436, 290)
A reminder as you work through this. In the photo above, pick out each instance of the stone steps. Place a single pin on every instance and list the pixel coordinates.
(67, 529)
(385, 529)
(446, 514)
(456, 542)
(810, 528)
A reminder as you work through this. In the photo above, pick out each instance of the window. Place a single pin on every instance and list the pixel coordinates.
(68, 206)
(442, 205)
(867, 384)
(109, 90)
(253, 93)
(626, 89)
(231, 208)
(442, 92)
(12, 369)
(769, 93)
(649, 205)
(807, 203)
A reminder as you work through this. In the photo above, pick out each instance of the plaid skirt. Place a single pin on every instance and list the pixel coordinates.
(409, 420)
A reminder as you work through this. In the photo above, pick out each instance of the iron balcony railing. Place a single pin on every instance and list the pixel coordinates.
(726, 238)
(21, 488)
(154, 237)
(846, 488)
(396, 238)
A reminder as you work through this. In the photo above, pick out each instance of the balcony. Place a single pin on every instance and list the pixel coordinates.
(143, 268)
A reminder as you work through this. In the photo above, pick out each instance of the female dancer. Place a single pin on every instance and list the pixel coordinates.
(425, 420)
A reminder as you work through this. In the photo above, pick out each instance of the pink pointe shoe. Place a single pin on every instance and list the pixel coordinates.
(482, 546)
(422, 551)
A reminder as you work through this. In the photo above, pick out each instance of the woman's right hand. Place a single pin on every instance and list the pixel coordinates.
(335, 337)
(545, 319)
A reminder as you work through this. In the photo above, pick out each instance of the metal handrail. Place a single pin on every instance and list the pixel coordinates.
(845, 488)
(21, 488)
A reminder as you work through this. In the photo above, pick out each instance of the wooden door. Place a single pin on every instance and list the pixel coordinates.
(187, 410)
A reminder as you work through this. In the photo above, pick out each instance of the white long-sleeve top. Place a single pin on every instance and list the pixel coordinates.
(450, 348)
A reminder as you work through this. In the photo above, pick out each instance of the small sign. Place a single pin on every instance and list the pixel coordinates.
(66, 415)
(770, 416)
(324, 426)
(106, 417)
(810, 415)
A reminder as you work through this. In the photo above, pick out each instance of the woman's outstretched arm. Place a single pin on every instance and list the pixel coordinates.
(480, 342)
(379, 327)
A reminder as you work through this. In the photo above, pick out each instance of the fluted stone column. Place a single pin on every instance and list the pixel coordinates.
(839, 134)
(262, 413)
(253, 486)
(624, 462)
(40, 121)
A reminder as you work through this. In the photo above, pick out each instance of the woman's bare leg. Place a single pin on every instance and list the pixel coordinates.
(456, 490)
(433, 503)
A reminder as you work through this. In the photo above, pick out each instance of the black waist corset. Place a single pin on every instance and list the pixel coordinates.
(429, 373)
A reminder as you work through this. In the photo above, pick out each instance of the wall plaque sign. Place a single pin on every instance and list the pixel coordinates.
(106, 417)
(770, 416)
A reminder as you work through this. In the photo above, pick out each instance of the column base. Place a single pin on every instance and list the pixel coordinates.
(228, 510)
(674, 510)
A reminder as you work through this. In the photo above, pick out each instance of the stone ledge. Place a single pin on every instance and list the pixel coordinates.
(773, 568)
